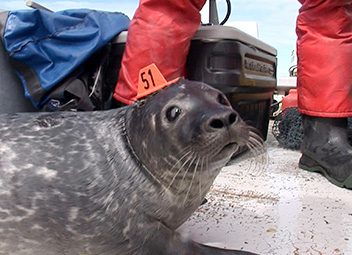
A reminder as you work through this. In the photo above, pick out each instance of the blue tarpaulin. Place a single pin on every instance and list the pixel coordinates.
(47, 46)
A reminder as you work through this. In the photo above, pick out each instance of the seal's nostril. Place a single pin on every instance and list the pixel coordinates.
(217, 123)
(232, 118)
(223, 121)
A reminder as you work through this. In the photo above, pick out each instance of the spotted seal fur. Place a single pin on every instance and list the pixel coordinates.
(118, 181)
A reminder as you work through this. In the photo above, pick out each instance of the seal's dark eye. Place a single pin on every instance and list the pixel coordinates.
(223, 100)
(172, 113)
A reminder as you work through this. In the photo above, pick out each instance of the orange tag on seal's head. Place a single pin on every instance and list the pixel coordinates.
(150, 80)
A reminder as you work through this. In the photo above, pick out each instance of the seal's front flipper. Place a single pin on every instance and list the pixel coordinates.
(209, 250)
(159, 239)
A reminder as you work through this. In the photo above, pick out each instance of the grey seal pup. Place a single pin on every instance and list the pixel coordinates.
(118, 181)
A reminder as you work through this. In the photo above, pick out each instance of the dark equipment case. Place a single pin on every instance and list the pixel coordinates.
(241, 66)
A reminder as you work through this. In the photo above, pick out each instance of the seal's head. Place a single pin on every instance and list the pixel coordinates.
(188, 131)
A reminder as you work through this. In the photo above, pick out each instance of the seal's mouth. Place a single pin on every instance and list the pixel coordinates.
(229, 148)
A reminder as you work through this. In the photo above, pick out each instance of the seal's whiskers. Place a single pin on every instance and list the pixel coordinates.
(191, 184)
(211, 148)
(257, 147)
(255, 138)
(176, 164)
(179, 170)
(200, 177)
(186, 172)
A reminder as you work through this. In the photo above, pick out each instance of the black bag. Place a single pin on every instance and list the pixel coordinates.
(88, 88)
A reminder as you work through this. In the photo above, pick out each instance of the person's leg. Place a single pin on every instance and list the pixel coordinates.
(160, 33)
(324, 49)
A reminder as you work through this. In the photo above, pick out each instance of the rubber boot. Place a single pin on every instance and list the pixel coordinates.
(325, 149)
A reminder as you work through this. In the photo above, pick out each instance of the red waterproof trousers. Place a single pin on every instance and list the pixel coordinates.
(324, 49)
(160, 33)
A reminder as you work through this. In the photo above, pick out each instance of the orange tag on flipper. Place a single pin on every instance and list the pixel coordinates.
(150, 80)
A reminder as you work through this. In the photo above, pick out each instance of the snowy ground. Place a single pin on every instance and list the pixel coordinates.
(274, 208)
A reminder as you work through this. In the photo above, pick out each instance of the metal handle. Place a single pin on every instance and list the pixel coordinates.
(213, 13)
